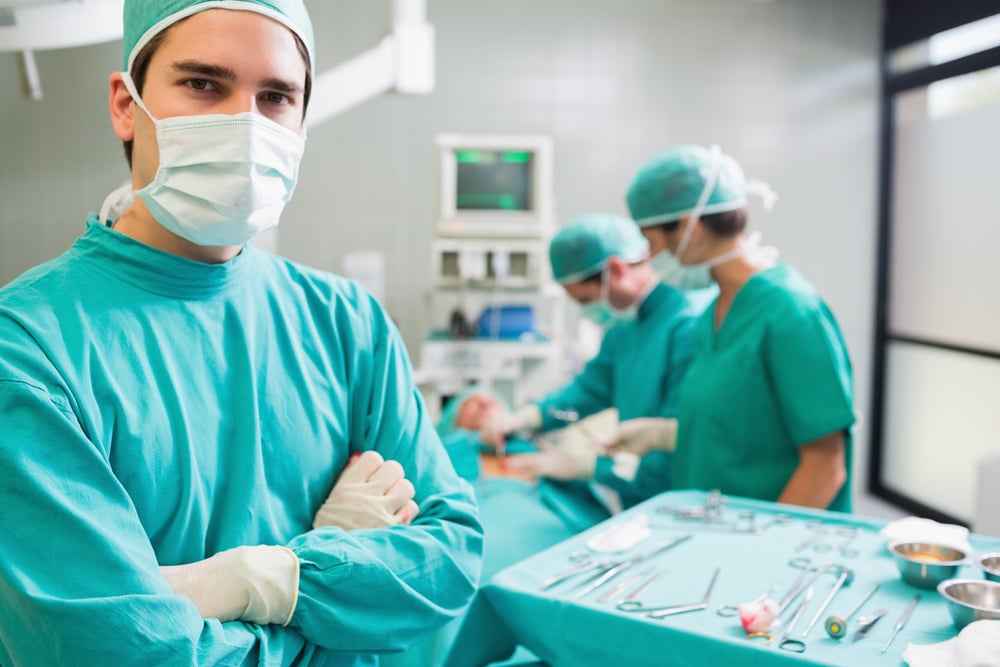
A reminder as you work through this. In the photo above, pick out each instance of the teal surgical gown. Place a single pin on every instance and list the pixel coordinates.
(156, 410)
(638, 370)
(776, 375)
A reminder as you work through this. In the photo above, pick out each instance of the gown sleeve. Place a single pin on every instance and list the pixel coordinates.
(79, 581)
(810, 371)
(591, 391)
(381, 590)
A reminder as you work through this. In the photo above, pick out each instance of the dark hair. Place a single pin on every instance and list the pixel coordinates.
(727, 223)
(141, 65)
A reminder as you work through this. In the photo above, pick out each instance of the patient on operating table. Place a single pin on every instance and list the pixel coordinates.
(577, 502)
(459, 428)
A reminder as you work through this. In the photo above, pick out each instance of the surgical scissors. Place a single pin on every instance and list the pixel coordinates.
(786, 642)
(614, 569)
(671, 610)
(585, 565)
(630, 599)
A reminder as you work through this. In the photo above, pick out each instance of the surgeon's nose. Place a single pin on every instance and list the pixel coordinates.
(240, 102)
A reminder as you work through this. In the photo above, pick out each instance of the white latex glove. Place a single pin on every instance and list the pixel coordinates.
(258, 584)
(556, 462)
(370, 493)
(494, 432)
(643, 435)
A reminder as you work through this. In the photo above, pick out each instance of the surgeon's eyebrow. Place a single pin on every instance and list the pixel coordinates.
(204, 69)
(225, 73)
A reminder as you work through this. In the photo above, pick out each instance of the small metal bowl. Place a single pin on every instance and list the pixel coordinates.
(971, 600)
(990, 565)
(926, 565)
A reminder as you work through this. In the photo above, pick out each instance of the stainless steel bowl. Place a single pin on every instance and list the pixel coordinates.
(971, 600)
(990, 565)
(926, 565)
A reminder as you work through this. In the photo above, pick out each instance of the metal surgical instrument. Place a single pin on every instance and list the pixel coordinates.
(845, 579)
(579, 568)
(623, 586)
(901, 622)
(797, 587)
(630, 598)
(663, 612)
(786, 642)
(867, 622)
(614, 569)
(836, 626)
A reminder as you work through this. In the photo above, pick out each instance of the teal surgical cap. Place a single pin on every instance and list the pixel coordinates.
(585, 244)
(145, 19)
(668, 186)
(449, 415)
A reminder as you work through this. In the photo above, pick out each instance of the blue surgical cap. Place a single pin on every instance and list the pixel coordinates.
(144, 19)
(446, 424)
(586, 243)
(668, 186)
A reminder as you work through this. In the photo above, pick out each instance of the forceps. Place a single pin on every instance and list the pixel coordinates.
(612, 570)
(630, 600)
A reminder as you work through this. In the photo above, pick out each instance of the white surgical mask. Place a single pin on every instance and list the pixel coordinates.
(602, 313)
(678, 276)
(222, 179)
(696, 276)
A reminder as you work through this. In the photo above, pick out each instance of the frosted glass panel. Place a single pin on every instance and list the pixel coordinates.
(941, 419)
(945, 262)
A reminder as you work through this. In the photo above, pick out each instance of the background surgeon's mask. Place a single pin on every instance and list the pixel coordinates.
(222, 179)
(602, 313)
(678, 276)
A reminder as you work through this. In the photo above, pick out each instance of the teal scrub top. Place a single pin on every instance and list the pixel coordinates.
(639, 370)
(775, 375)
(157, 410)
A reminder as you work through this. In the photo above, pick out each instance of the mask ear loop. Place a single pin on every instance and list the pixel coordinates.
(706, 192)
(116, 202)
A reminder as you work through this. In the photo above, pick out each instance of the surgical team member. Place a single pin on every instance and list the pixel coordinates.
(175, 405)
(601, 262)
(766, 411)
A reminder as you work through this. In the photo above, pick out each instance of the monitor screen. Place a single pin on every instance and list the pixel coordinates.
(493, 180)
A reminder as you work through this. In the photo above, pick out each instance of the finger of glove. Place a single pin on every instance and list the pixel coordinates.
(407, 513)
(360, 469)
(386, 476)
(399, 494)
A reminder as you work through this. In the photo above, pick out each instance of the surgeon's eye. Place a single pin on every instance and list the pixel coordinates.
(277, 98)
(201, 85)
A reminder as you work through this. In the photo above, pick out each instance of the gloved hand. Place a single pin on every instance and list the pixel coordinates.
(495, 430)
(562, 462)
(643, 435)
(258, 584)
(370, 493)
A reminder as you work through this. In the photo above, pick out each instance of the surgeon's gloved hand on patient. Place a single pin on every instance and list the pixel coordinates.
(500, 424)
(259, 584)
(370, 493)
(643, 435)
(563, 462)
